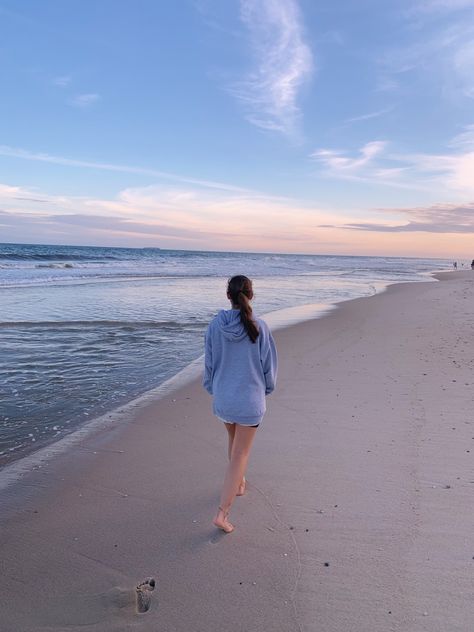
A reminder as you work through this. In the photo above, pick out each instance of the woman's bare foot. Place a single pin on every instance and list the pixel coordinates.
(221, 521)
(241, 490)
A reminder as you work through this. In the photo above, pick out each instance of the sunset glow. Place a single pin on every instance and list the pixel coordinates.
(255, 126)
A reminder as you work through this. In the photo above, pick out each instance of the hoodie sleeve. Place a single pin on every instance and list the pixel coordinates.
(269, 359)
(207, 379)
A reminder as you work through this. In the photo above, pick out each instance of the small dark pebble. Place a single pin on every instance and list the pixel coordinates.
(35, 511)
(240, 583)
(389, 612)
(291, 528)
(152, 583)
(306, 530)
(447, 487)
(115, 545)
(326, 563)
(335, 505)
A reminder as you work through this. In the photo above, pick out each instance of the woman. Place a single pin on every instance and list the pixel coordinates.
(240, 369)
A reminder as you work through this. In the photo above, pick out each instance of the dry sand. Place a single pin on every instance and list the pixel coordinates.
(359, 512)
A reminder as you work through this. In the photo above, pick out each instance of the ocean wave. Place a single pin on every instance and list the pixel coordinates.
(53, 256)
(54, 265)
(81, 274)
(121, 324)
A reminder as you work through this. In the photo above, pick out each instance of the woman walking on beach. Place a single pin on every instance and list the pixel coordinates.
(240, 370)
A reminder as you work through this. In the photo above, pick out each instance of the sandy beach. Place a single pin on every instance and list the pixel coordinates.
(358, 515)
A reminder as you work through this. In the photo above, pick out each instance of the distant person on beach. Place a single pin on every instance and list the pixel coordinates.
(472, 264)
(455, 265)
(240, 370)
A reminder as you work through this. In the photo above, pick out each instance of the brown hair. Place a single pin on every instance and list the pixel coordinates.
(240, 292)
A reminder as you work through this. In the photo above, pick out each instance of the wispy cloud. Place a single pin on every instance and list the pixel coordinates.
(217, 220)
(463, 63)
(62, 81)
(338, 163)
(387, 84)
(443, 54)
(445, 172)
(448, 172)
(370, 165)
(431, 6)
(207, 12)
(85, 100)
(25, 154)
(176, 216)
(283, 62)
(370, 115)
(438, 218)
(464, 140)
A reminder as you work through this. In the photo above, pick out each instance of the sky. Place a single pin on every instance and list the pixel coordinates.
(329, 127)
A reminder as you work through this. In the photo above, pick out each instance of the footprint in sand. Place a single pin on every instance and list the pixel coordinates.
(144, 591)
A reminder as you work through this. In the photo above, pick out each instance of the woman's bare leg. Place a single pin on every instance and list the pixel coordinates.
(241, 445)
(231, 434)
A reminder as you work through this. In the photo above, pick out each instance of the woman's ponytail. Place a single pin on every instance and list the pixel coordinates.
(240, 292)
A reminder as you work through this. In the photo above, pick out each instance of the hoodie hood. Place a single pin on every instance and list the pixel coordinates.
(228, 321)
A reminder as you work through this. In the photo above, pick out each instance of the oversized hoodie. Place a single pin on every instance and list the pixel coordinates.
(239, 373)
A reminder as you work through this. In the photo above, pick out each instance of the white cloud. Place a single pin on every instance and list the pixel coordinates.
(436, 173)
(283, 62)
(447, 171)
(337, 162)
(431, 6)
(200, 219)
(464, 140)
(370, 115)
(218, 220)
(442, 55)
(25, 154)
(62, 81)
(7, 190)
(463, 63)
(387, 84)
(85, 100)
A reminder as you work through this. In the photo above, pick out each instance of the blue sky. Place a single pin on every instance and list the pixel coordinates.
(340, 127)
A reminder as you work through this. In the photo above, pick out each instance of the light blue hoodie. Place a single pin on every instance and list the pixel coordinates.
(238, 372)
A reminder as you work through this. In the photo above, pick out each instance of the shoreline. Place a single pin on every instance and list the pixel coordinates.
(278, 319)
(364, 464)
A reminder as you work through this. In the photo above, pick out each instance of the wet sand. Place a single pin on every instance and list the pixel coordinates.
(359, 510)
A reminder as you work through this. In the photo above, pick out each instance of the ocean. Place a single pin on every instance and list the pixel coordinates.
(85, 329)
